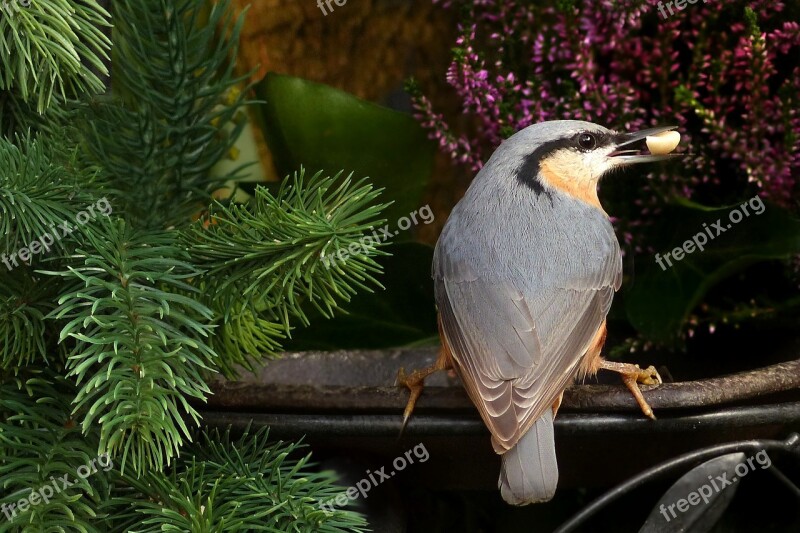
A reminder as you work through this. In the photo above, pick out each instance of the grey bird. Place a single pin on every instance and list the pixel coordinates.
(525, 271)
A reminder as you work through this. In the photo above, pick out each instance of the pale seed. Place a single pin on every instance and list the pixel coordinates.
(663, 143)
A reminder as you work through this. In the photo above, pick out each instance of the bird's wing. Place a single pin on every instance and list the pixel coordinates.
(517, 348)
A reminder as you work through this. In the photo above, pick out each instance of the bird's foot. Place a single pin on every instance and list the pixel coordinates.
(632, 375)
(415, 382)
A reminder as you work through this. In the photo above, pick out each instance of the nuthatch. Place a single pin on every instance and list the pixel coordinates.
(525, 271)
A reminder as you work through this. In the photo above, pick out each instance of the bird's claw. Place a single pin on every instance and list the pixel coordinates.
(648, 376)
(632, 375)
(415, 381)
(414, 384)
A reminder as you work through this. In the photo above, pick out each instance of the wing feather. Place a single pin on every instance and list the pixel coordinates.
(517, 347)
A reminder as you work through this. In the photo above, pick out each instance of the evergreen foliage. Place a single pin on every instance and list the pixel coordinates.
(39, 445)
(243, 484)
(140, 344)
(179, 109)
(50, 51)
(108, 335)
(266, 263)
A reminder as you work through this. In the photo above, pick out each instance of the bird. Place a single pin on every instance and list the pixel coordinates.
(525, 271)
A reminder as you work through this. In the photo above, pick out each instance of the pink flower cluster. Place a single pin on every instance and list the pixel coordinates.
(728, 73)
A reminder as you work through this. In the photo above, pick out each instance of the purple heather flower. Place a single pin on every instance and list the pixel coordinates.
(729, 77)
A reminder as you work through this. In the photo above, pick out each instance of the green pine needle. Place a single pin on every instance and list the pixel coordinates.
(177, 109)
(53, 49)
(268, 262)
(140, 344)
(243, 339)
(130, 313)
(248, 484)
(284, 251)
(25, 299)
(39, 444)
(41, 186)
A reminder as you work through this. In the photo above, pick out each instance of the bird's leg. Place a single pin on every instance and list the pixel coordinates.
(416, 380)
(557, 404)
(632, 375)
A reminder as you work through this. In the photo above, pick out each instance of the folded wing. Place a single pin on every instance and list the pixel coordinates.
(518, 345)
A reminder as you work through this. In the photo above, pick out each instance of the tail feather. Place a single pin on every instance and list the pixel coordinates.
(529, 473)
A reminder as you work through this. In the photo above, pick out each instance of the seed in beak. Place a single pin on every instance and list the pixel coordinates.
(663, 143)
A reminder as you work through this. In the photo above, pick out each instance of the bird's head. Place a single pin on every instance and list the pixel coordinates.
(570, 156)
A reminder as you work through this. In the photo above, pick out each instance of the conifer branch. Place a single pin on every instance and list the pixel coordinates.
(25, 299)
(177, 110)
(140, 343)
(230, 485)
(52, 50)
(39, 445)
(41, 187)
(268, 263)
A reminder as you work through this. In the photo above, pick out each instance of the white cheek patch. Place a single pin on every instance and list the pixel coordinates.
(596, 163)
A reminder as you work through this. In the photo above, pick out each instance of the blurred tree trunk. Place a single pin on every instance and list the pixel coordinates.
(365, 47)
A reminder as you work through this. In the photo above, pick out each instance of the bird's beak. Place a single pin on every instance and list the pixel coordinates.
(630, 148)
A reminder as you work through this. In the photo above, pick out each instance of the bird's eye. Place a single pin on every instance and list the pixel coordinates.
(587, 141)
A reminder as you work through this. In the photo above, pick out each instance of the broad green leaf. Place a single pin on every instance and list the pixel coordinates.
(660, 300)
(322, 128)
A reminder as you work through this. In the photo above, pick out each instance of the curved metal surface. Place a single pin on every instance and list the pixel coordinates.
(790, 446)
(567, 424)
(364, 381)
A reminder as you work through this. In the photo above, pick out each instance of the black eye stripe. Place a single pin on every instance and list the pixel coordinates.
(545, 149)
(601, 140)
(530, 166)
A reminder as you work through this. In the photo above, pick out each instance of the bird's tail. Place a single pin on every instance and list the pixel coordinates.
(529, 473)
